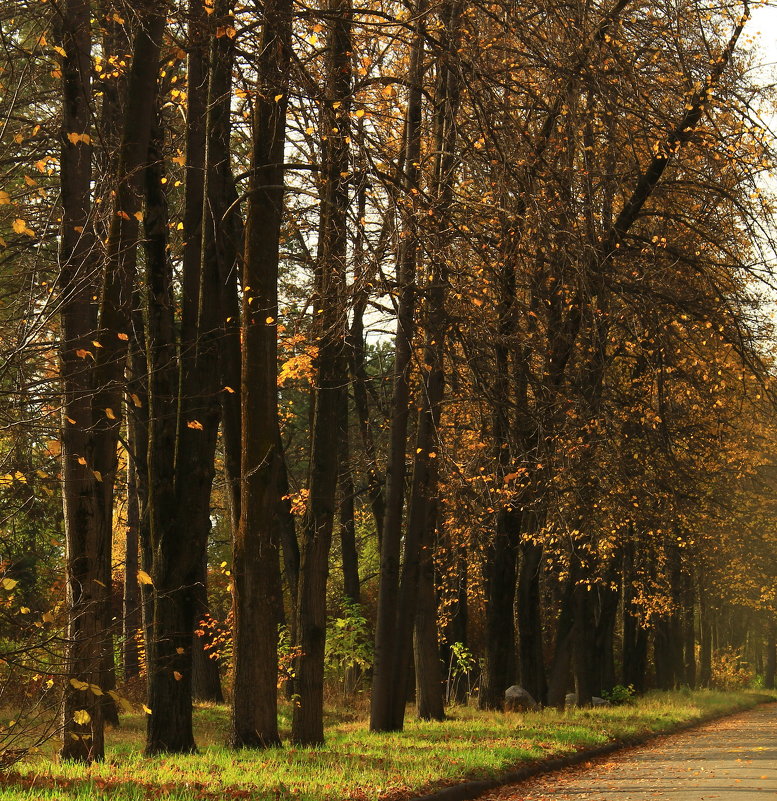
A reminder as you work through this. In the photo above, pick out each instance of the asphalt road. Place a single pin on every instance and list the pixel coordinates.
(734, 759)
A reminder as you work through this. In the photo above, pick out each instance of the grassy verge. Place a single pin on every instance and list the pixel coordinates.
(355, 764)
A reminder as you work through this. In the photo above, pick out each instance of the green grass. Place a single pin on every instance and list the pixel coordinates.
(354, 763)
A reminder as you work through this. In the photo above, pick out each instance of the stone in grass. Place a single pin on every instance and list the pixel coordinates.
(571, 700)
(519, 700)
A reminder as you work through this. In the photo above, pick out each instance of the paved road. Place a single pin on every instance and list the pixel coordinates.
(734, 759)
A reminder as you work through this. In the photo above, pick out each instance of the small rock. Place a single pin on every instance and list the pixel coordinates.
(596, 701)
(570, 699)
(519, 700)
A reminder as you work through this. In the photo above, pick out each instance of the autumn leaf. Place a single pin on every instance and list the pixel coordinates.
(196, 424)
(81, 717)
(8, 583)
(78, 684)
(19, 226)
(109, 414)
(144, 578)
(5, 198)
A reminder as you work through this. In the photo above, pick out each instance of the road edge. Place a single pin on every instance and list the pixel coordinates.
(472, 789)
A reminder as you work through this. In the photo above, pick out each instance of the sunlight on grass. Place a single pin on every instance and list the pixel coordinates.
(355, 763)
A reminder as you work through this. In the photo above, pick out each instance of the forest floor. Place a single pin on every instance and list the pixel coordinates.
(355, 764)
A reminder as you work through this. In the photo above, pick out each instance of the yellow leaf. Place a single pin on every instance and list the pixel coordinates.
(30, 181)
(360, 112)
(99, 476)
(139, 216)
(136, 400)
(196, 424)
(123, 703)
(230, 390)
(278, 97)
(95, 689)
(81, 717)
(79, 685)
(146, 709)
(122, 336)
(178, 676)
(144, 578)
(74, 138)
(60, 50)
(47, 617)
(20, 227)
(5, 198)
(109, 414)
(81, 460)
(179, 651)
(9, 583)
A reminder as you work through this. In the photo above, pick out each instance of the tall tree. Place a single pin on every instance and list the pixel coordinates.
(330, 371)
(257, 588)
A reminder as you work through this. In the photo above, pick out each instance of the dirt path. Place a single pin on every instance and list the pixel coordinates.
(734, 759)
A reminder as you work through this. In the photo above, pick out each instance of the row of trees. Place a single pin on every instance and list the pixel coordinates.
(516, 258)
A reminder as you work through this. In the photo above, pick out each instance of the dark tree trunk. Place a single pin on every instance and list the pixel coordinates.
(635, 639)
(608, 597)
(348, 552)
(418, 598)
(383, 704)
(531, 661)
(307, 725)
(499, 656)
(689, 632)
(558, 680)
(430, 697)
(86, 594)
(222, 242)
(770, 667)
(257, 593)
(663, 653)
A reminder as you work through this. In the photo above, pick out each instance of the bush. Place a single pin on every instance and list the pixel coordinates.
(730, 671)
(620, 694)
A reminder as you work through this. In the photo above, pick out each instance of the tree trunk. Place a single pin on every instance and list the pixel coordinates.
(257, 589)
(531, 661)
(348, 551)
(307, 720)
(382, 703)
(499, 656)
(689, 633)
(770, 667)
(85, 593)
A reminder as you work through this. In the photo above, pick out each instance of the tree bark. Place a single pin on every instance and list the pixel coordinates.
(257, 586)
(383, 702)
(329, 306)
(770, 667)
(86, 592)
